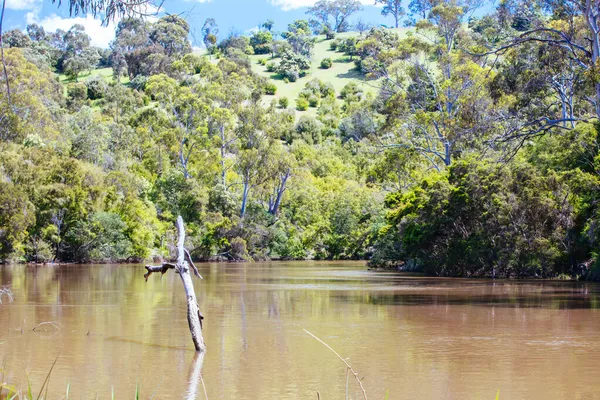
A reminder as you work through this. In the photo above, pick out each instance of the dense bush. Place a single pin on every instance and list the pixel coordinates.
(326, 63)
(139, 83)
(301, 104)
(96, 88)
(283, 102)
(270, 88)
(292, 66)
(484, 219)
(351, 92)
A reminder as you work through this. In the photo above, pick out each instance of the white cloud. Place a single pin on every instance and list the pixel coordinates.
(23, 4)
(100, 35)
(287, 5)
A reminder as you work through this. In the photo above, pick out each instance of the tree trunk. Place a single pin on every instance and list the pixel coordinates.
(274, 208)
(182, 267)
(8, 96)
(245, 198)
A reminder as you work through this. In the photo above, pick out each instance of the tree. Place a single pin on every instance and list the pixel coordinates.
(36, 32)
(268, 25)
(262, 42)
(16, 38)
(571, 34)
(16, 216)
(338, 10)
(299, 37)
(209, 30)
(117, 62)
(187, 112)
(171, 32)
(110, 10)
(393, 8)
(85, 61)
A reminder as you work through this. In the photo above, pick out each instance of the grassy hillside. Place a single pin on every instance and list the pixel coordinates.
(340, 74)
(106, 73)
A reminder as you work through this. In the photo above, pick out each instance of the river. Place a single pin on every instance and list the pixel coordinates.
(408, 337)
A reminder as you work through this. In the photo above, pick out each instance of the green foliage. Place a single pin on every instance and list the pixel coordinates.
(483, 219)
(326, 63)
(302, 104)
(270, 88)
(96, 88)
(292, 66)
(488, 164)
(283, 102)
(261, 41)
(77, 94)
(351, 92)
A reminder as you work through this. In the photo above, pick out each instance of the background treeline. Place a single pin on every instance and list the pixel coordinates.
(476, 155)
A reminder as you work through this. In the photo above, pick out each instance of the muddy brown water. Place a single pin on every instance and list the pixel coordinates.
(408, 337)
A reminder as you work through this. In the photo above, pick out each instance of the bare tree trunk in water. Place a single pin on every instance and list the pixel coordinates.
(182, 267)
(195, 377)
(2, 54)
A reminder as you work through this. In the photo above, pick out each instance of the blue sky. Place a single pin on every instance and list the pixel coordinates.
(237, 15)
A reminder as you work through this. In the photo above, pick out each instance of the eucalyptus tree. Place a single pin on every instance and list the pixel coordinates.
(565, 36)
(440, 108)
(187, 112)
(339, 11)
(393, 8)
(210, 30)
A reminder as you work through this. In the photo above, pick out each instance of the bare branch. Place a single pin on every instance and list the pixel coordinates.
(189, 257)
(162, 269)
(344, 361)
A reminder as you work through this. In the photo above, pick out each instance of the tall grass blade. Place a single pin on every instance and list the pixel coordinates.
(47, 377)
(29, 391)
(498, 395)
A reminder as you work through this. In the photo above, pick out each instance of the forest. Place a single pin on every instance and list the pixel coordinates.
(464, 143)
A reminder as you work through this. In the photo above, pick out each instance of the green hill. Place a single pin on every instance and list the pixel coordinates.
(339, 75)
(342, 72)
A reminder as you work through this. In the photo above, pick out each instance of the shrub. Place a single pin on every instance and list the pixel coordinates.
(262, 61)
(309, 129)
(333, 45)
(326, 63)
(439, 223)
(351, 91)
(292, 66)
(96, 87)
(305, 94)
(313, 101)
(139, 83)
(270, 88)
(271, 66)
(239, 251)
(301, 104)
(76, 94)
(283, 102)
(318, 88)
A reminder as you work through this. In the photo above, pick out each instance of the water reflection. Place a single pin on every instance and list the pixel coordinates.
(413, 337)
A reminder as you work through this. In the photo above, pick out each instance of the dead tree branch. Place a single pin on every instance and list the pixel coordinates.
(182, 267)
(348, 366)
